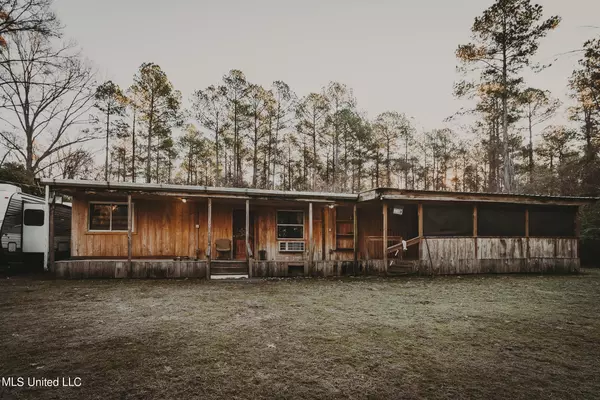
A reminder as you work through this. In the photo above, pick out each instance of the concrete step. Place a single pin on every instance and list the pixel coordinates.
(224, 276)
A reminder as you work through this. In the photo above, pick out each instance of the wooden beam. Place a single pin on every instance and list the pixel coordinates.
(527, 222)
(47, 224)
(209, 234)
(355, 237)
(420, 224)
(385, 235)
(324, 234)
(310, 236)
(129, 229)
(248, 249)
(475, 220)
(51, 233)
(527, 248)
(420, 214)
(475, 230)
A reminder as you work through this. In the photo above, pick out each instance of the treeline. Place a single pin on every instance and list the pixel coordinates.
(239, 133)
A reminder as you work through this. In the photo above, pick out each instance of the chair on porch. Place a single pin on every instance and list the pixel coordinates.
(223, 246)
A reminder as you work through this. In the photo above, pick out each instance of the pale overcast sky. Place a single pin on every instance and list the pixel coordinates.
(394, 54)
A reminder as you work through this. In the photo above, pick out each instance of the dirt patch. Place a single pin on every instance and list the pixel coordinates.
(482, 337)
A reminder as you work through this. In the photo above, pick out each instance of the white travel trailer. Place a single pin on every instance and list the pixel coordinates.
(24, 227)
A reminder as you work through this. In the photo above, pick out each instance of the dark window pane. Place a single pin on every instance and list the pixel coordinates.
(290, 217)
(500, 220)
(99, 217)
(552, 221)
(119, 217)
(454, 220)
(290, 232)
(34, 217)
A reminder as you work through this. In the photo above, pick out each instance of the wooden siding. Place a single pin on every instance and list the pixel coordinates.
(501, 248)
(167, 228)
(498, 255)
(162, 229)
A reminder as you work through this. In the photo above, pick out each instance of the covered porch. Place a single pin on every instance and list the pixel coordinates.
(184, 233)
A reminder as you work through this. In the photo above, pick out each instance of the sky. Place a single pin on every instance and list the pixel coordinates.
(395, 54)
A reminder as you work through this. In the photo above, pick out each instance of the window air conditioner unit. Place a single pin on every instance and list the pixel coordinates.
(291, 246)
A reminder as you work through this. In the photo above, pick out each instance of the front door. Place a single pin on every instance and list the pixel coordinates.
(34, 229)
(239, 234)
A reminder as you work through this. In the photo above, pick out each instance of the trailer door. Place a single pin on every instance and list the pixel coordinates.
(34, 237)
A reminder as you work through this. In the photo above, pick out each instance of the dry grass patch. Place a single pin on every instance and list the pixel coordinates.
(518, 337)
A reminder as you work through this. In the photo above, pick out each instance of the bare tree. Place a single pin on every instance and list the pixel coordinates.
(70, 163)
(44, 96)
(18, 16)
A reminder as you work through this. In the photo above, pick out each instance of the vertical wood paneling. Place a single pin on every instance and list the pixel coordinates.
(501, 248)
(541, 247)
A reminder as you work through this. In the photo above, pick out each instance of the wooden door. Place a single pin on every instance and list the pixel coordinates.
(239, 234)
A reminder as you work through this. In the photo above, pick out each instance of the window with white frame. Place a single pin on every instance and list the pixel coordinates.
(109, 217)
(290, 224)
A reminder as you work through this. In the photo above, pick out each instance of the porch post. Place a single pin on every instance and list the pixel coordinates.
(47, 223)
(129, 228)
(355, 238)
(310, 237)
(385, 235)
(248, 249)
(209, 248)
(527, 249)
(475, 228)
(420, 227)
(51, 233)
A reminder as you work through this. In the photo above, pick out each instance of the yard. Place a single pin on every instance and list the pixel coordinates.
(480, 337)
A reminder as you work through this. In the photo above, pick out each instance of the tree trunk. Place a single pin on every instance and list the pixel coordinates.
(255, 152)
(217, 166)
(149, 152)
(133, 148)
(507, 161)
(107, 134)
(388, 169)
(530, 150)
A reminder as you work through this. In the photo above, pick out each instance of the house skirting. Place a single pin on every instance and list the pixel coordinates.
(148, 269)
(77, 269)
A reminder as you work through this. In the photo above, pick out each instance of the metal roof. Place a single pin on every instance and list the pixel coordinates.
(373, 194)
(194, 190)
(438, 195)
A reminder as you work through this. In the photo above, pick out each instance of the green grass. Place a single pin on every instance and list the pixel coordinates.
(518, 337)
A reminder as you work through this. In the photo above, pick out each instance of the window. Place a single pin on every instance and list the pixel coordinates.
(546, 221)
(33, 218)
(500, 220)
(109, 217)
(448, 220)
(290, 225)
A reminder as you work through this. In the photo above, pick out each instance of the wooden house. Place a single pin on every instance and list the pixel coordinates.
(157, 230)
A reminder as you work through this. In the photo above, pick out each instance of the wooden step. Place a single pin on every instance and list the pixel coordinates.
(228, 268)
(401, 268)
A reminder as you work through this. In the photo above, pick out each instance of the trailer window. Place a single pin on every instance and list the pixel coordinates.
(110, 217)
(290, 224)
(33, 217)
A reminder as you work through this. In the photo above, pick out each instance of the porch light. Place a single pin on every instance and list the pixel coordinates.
(184, 200)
